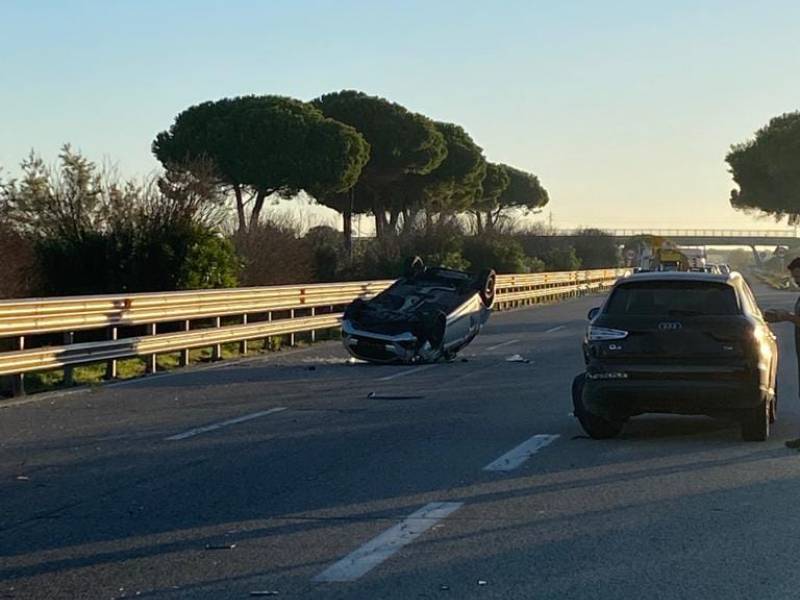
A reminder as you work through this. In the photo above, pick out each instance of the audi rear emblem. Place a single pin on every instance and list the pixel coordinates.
(669, 326)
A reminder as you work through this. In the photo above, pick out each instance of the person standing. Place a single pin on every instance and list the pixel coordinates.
(780, 316)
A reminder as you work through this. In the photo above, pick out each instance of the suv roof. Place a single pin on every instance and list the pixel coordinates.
(681, 276)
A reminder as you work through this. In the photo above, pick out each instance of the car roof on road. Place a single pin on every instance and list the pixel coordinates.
(681, 276)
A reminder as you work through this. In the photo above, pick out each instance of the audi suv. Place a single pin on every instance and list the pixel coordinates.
(679, 342)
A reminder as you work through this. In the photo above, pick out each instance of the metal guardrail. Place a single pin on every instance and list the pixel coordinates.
(259, 312)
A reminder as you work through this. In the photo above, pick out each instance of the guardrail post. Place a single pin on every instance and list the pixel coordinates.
(291, 335)
(243, 343)
(18, 380)
(268, 339)
(111, 365)
(184, 359)
(151, 365)
(216, 352)
(69, 372)
(313, 331)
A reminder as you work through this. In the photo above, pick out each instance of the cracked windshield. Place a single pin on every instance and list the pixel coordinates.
(389, 301)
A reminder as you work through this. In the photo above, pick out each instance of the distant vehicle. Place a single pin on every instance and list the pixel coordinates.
(709, 268)
(686, 343)
(427, 315)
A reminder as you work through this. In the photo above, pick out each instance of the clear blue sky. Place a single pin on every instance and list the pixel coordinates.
(624, 109)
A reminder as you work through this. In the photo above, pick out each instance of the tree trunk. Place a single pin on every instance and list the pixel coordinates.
(394, 218)
(255, 215)
(478, 222)
(347, 218)
(240, 209)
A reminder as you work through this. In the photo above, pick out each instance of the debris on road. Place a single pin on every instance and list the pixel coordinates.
(516, 358)
(312, 368)
(220, 546)
(264, 593)
(482, 582)
(444, 588)
(23, 478)
(374, 396)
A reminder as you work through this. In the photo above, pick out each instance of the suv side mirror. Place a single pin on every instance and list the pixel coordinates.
(593, 313)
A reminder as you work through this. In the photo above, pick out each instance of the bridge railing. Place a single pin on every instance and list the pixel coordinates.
(40, 334)
(720, 233)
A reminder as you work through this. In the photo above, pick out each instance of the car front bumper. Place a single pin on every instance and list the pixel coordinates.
(376, 347)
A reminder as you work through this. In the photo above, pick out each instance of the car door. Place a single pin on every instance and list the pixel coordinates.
(750, 304)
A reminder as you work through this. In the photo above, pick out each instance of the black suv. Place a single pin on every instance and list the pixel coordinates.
(686, 343)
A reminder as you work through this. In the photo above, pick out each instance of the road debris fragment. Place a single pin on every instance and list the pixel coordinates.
(264, 593)
(376, 396)
(220, 546)
(516, 358)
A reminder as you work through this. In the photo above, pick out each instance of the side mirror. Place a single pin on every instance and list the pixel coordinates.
(593, 313)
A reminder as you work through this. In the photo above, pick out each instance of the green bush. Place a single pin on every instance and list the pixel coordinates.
(501, 253)
(561, 259)
(137, 259)
(328, 254)
(438, 244)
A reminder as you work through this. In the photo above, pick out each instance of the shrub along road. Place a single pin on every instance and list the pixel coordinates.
(306, 476)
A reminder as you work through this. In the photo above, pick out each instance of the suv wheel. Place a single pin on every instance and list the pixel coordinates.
(596, 426)
(773, 405)
(755, 425)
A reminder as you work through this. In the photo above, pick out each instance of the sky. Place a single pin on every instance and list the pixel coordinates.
(623, 109)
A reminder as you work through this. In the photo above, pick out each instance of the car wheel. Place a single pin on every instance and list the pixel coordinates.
(773, 407)
(755, 425)
(486, 283)
(414, 267)
(595, 426)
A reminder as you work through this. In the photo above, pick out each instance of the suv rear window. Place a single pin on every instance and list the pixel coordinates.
(673, 298)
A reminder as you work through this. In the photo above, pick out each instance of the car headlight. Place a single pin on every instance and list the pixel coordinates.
(602, 334)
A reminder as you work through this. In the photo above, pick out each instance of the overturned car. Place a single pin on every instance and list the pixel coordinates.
(427, 315)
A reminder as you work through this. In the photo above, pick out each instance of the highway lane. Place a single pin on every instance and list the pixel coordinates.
(295, 464)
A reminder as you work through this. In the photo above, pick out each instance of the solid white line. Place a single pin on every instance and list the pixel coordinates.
(516, 456)
(554, 329)
(496, 346)
(407, 372)
(377, 550)
(220, 425)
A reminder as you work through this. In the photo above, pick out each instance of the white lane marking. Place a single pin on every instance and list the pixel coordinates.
(516, 456)
(221, 424)
(496, 346)
(554, 329)
(380, 548)
(406, 372)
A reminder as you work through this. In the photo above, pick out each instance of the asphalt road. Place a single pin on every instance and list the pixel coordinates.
(302, 475)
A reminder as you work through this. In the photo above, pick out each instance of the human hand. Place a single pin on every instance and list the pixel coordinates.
(776, 315)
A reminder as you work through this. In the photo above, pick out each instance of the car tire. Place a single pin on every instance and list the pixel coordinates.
(773, 406)
(414, 267)
(486, 284)
(595, 426)
(755, 424)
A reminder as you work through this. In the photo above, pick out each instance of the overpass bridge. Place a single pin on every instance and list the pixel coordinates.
(703, 237)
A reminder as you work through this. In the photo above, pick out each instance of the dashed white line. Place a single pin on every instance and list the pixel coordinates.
(221, 424)
(380, 548)
(406, 372)
(516, 456)
(496, 346)
(554, 329)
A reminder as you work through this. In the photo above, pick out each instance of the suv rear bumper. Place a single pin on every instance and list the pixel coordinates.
(623, 398)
